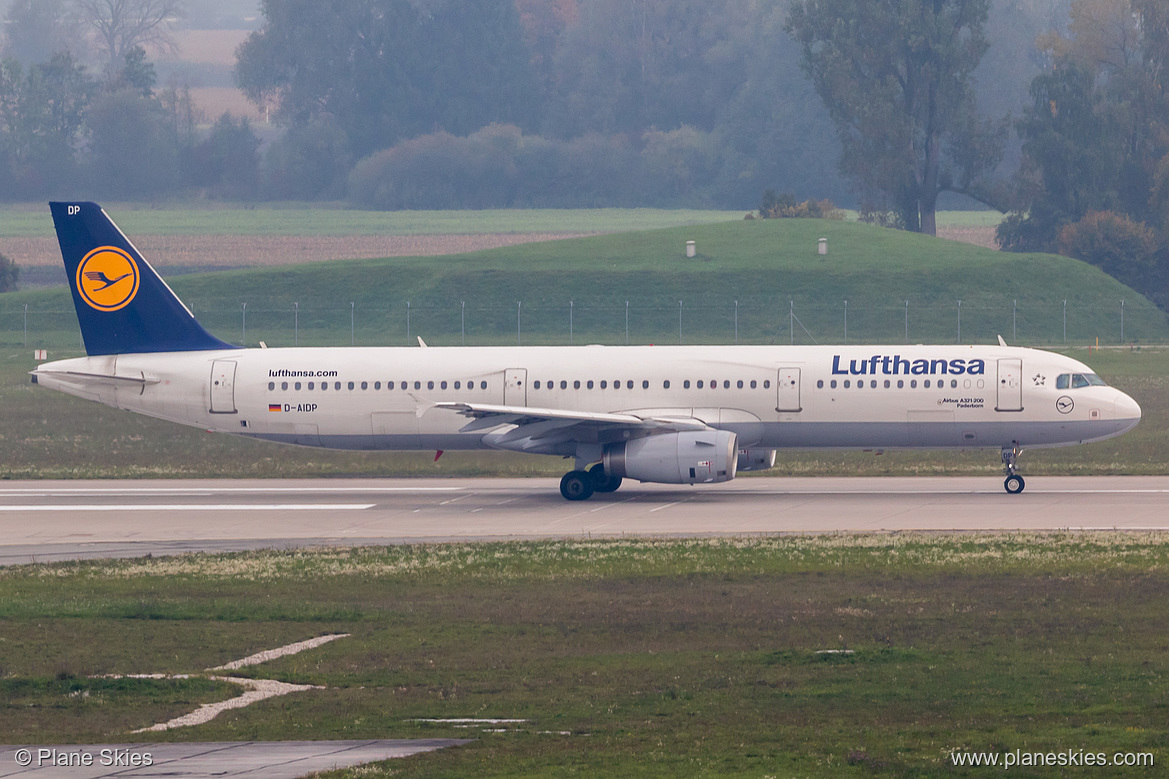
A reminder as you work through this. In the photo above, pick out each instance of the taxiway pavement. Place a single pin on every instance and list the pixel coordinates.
(57, 520)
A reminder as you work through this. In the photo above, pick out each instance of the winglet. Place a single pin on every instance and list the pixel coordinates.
(1001, 341)
(123, 305)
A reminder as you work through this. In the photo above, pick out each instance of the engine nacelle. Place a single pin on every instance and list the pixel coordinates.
(701, 457)
(756, 459)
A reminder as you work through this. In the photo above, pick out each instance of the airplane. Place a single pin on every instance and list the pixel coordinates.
(665, 414)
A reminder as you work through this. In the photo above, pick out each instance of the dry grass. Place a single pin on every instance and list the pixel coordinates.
(977, 235)
(235, 251)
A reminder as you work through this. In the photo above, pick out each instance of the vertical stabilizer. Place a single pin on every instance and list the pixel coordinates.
(123, 305)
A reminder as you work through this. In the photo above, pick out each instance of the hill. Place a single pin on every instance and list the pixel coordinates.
(874, 285)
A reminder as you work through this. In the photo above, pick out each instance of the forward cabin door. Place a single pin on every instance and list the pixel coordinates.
(1010, 385)
(223, 387)
(788, 385)
(515, 387)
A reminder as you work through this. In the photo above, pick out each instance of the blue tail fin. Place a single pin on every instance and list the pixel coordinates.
(124, 307)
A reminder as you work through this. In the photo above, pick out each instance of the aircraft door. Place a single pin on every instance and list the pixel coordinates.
(788, 387)
(515, 387)
(1010, 385)
(223, 387)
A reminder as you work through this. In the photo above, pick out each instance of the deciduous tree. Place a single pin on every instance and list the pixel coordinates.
(895, 76)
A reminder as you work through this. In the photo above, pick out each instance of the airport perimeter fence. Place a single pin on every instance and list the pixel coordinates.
(653, 321)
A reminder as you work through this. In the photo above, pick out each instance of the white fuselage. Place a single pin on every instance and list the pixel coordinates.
(771, 397)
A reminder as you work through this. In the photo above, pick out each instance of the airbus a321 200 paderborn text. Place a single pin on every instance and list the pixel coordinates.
(667, 414)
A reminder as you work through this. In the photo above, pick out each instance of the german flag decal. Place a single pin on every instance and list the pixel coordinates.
(274, 407)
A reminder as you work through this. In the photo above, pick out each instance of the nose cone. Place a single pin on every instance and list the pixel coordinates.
(1127, 411)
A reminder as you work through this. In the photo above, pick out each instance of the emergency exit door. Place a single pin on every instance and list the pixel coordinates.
(788, 385)
(515, 387)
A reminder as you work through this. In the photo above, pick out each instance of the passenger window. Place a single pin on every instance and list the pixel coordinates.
(887, 384)
(629, 384)
(953, 384)
(417, 385)
(833, 384)
(727, 384)
(645, 385)
(754, 384)
(847, 383)
(430, 385)
(458, 385)
(403, 386)
(686, 384)
(913, 383)
(590, 384)
(537, 384)
(819, 384)
(296, 386)
(311, 385)
(483, 385)
(350, 385)
(443, 385)
(873, 384)
(604, 384)
(666, 384)
(900, 383)
(563, 384)
(324, 385)
(698, 384)
(767, 384)
(365, 385)
(377, 385)
(271, 385)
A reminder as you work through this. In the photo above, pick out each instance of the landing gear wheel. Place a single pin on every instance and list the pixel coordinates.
(603, 482)
(576, 485)
(1014, 484)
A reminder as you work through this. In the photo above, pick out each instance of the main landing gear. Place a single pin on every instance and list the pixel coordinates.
(580, 485)
(1014, 483)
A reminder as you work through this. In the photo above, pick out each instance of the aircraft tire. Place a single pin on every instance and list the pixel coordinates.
(576, 485)
(603, 482)
(1014, 484)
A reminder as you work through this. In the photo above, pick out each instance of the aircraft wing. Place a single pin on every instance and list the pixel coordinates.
(537, 429)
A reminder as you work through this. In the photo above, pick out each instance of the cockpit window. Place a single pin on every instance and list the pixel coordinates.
(1077, 380)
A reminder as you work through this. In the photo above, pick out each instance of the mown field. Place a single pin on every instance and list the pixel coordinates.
(751, 282)
(822, 656)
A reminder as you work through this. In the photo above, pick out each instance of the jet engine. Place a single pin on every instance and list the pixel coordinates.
(697, 457)
(756, 459)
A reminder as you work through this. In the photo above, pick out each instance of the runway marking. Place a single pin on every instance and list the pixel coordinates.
(44, 493)
(668, 505)
(199, 507)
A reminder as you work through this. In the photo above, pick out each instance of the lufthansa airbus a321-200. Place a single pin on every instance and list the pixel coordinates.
(667, 414)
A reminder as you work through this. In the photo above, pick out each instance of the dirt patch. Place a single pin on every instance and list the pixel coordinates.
(979, 236)
(236, 251)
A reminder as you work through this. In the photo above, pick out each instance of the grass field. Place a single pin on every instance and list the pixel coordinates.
(212, 218)
(623, 658)
(754, 282)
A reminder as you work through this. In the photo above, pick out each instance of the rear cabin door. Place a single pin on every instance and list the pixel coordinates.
(223, 387)
(515, 387)
(1010, 385)
(788, 385)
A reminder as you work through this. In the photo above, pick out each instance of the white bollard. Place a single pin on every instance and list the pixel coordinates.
(822, 248)
(691, 249)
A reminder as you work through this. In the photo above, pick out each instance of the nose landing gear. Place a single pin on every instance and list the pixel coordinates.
(1014, 483)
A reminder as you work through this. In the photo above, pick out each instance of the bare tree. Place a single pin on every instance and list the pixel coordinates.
(123, 24)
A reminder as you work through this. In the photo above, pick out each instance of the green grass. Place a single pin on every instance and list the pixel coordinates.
(875, 285)
(200, 219)
(626, 658)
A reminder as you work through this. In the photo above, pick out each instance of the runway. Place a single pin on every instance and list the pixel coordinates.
(59, 520)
